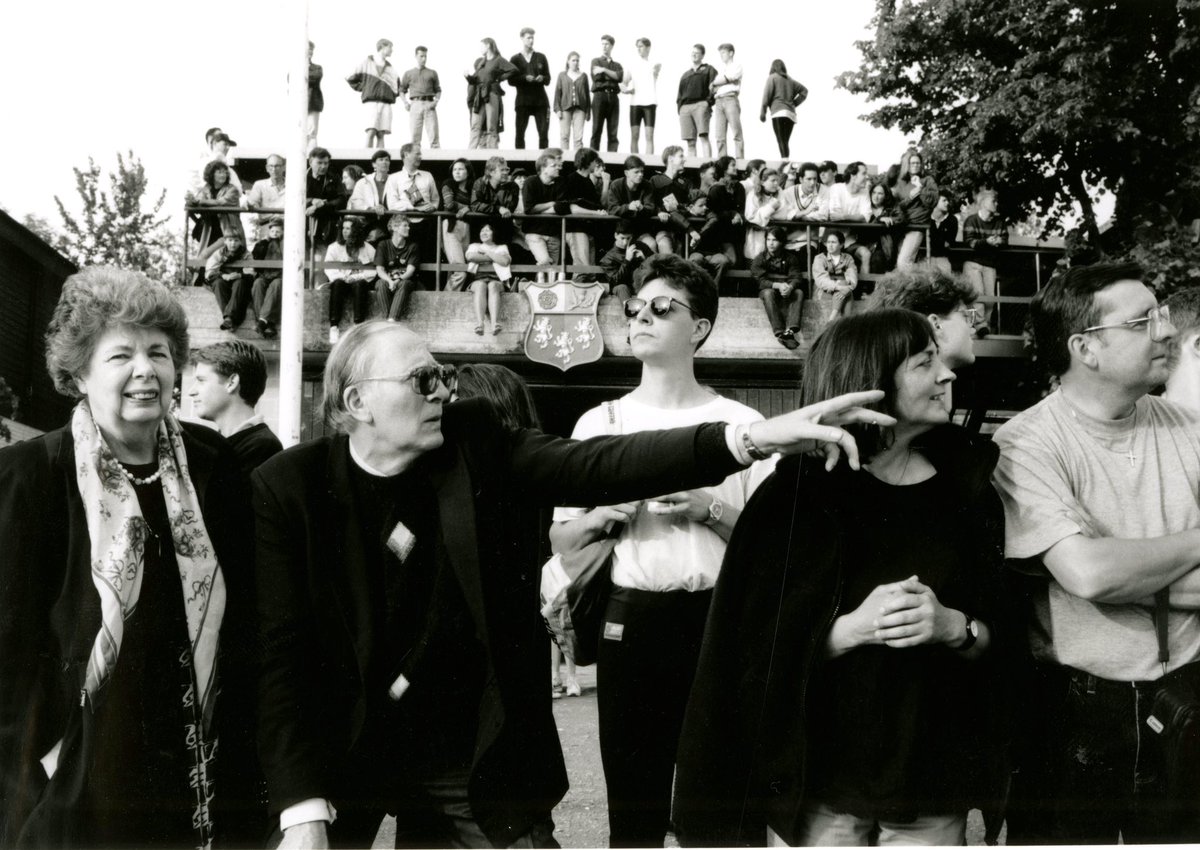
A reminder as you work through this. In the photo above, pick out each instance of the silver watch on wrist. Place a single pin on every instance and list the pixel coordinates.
(715, 510)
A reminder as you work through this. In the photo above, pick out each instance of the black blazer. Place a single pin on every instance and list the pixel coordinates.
(531, 95)
(315, 609)
(50, 615)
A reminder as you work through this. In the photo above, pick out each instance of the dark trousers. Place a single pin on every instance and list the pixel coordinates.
(431, 812)
(643, 680)
(783, 134)
(1090, 768)
(782, 313)
(266, 298)
(605, 108)
(392, 303)
(233, 297)
(541, 120)
(357, 290)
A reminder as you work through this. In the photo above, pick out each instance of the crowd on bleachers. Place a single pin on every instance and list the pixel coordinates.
(796, 230)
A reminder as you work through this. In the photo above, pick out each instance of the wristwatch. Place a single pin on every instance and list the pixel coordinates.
(715, 510)
(972, 634)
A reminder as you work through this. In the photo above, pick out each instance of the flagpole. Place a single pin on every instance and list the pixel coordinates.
(295, 223)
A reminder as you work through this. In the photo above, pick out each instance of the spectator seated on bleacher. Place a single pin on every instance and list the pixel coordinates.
(351, 247)
(218, 191)
(622, 262)
(267, 194)
(804, 202)
(722, 232)
(489, 265)
(850, 200)
(672, 195)
(754, 172)
(835, 277)
(583, 190)
(764, 205)
(779, 275)
(944, 230)
(227, 282)
(370, 193)
(882, 242)
(267, 282)
(456, 199)
(324, 199)
(827, 176)
(631, 199)
(494, 199)
(916, 194)
(541, 195)
(396, 263)
(985, 234)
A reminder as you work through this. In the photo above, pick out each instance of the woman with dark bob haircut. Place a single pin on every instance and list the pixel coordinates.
(123, 589)
(849, 687)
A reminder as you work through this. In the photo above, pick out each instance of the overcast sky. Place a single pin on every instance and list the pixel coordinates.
(92, 78)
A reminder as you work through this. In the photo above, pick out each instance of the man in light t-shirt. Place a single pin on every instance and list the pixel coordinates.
(641, 81)
(667, 556)
(1100, 485)
(727, 106)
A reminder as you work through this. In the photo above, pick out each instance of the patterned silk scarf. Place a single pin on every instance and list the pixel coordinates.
(118, 536)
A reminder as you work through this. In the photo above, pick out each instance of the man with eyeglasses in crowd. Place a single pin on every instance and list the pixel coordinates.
(1099, 482)
(403, 665)
(668, 553)
(267, 194)
(944, 299)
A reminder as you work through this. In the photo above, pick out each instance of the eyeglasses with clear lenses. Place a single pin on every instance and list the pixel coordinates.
(971, 314)
(659, 306)
(1157, 319)
(425, 380)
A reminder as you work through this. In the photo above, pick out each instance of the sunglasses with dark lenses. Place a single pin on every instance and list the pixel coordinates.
(659, 306)
(425, 380)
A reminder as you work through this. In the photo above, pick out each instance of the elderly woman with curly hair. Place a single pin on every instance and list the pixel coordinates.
(125, 649)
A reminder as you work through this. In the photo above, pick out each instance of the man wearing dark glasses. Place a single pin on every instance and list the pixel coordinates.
(403, 664)
(668, 554)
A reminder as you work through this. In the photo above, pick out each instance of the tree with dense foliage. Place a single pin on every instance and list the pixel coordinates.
(120, 226)
(1052, 101)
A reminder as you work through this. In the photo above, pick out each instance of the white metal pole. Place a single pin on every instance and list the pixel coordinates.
(295, 223)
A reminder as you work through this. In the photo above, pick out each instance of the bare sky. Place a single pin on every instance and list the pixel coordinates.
(92, 78)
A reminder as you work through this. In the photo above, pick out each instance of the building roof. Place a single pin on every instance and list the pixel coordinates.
(16, 235)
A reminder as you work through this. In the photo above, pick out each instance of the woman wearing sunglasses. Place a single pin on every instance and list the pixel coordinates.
(851, 685)
(667, 556)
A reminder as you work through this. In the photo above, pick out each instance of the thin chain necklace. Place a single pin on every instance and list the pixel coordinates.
(1128, 452)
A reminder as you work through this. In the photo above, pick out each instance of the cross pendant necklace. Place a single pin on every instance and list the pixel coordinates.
(1128, 453)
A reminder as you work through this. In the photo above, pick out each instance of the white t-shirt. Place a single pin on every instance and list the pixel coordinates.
(661, 553)
(1063, 473)
(642, 82)
(847, 206)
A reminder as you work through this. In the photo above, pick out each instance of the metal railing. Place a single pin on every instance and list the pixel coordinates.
(442, 268)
